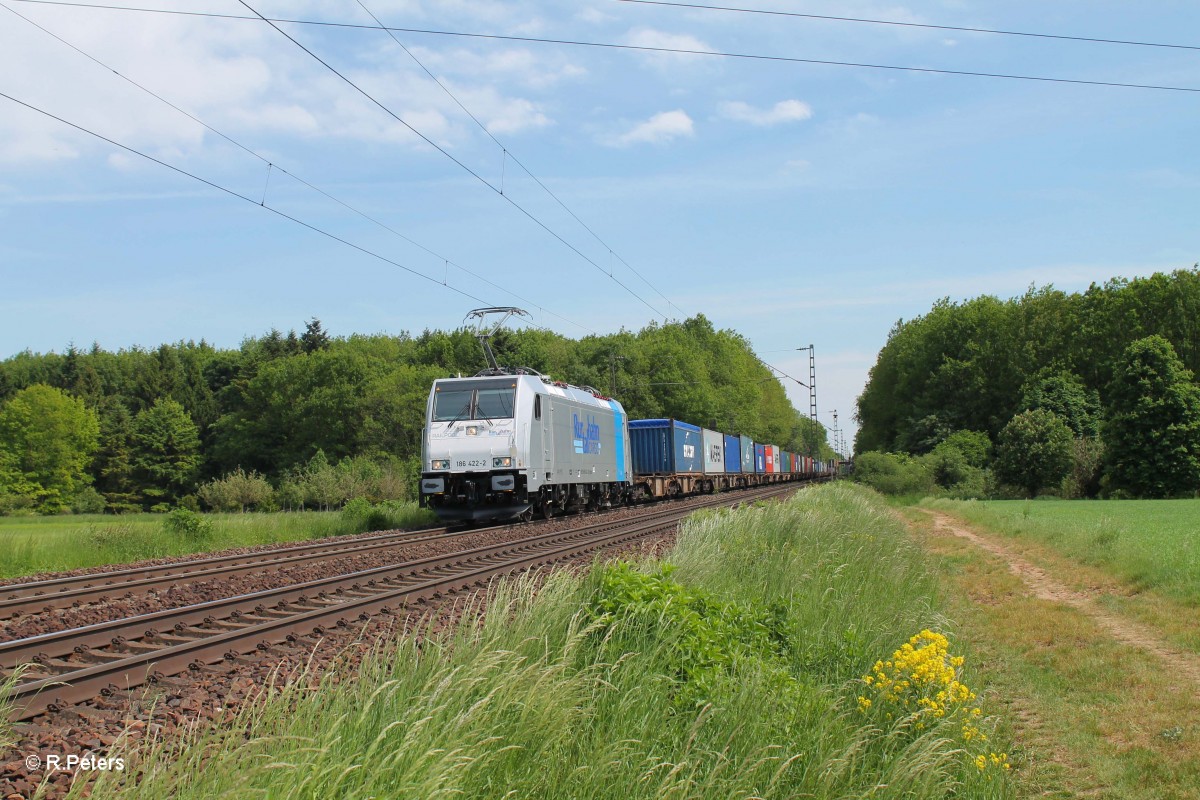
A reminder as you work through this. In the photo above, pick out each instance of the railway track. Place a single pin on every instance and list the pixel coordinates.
(71, 666)
(76, 590)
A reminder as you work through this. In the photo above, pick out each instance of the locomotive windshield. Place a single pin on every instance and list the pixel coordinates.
(494, 403)
(485, 400)
(455, 404)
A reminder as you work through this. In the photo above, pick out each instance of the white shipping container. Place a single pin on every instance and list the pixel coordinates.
(714, 452)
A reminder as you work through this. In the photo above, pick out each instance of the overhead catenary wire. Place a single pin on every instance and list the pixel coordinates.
(450, 156)
(646, 49)
(925, 25)
(271, 166)
(240, 196)
(507, 154)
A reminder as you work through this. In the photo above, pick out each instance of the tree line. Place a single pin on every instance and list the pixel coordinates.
(1083, 393)
(312, 420)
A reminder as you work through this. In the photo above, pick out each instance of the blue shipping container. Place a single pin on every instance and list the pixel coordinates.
(665, 447)
(747, 455)
(760, 458)
(733, 454)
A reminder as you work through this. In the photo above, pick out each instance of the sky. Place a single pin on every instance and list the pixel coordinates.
(385, 185)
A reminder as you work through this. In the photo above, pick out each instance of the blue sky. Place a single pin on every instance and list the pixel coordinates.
(795, 203)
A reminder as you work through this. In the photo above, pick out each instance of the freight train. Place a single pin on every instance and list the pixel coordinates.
(515, 446)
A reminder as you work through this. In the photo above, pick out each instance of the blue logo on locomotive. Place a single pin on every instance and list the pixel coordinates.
(587, 436)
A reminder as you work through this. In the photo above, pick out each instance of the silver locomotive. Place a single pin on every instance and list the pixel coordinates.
(514, 445)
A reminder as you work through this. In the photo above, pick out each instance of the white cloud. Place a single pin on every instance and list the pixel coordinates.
(515, 116)
(593, 16)
(783, 111)
(241, 79)
(648, 37)
(662, 127)
(515, 65)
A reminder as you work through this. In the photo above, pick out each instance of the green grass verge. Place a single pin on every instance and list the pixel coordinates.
(734, 672)
(29, 545)
(8, 735)
(1150, 544)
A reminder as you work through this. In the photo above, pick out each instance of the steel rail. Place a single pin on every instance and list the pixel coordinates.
(77, 590)
(57, 644)
(469, 569)
(115, 580)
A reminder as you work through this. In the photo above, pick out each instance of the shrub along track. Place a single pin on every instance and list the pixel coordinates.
(202, 660)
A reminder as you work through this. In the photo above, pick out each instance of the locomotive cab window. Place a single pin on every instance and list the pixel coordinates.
(463, 403)
(494, 403)
(452, 404)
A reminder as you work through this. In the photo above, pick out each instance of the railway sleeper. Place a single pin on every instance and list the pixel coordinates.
(169, 639)
(278, 613)
(245, 660)
(128, 646)
(229, 625)
(100, 657)
(54, 666)
(85, 714)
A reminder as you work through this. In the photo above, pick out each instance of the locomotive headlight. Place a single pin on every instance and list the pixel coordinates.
(502, 462)
(440, 464)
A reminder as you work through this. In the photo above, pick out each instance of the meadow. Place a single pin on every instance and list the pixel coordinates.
(31, 545)
(734, 667)
(1147, 544)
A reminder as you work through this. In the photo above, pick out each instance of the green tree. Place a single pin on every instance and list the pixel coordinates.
(166, 453)
(113, 464)
(47, 439)
(1064, 394)
(1152, 438)
(314, 336)
(1034, 451)
(975, 446)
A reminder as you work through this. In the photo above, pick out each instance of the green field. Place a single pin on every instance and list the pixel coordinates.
(735, 672)
(1149, 544)
(30, 545)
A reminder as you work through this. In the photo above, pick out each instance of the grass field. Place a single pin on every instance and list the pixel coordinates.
(1149, 544)
(30, 545)
(1101, 679)
(735, 672)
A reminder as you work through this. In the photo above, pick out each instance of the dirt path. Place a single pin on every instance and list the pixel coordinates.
(1045, 587)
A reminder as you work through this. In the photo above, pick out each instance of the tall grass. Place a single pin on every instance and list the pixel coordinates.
(735, 675)
(8, 736)
(30, 545)
(1150, 544)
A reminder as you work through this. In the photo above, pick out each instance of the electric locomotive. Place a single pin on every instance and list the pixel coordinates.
(505, 446)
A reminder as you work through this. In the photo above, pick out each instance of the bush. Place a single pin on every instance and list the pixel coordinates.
(1034, 451)
(87, 501)
(16, 505)
(237, 491)
(1086, 469)
(187, 524)
(893, 473)
(957, 465)
(360, 516)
